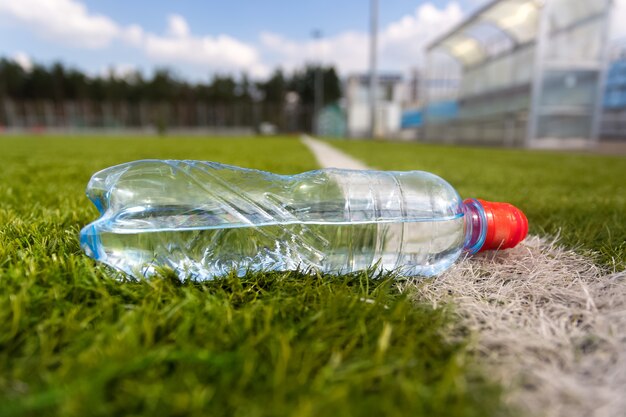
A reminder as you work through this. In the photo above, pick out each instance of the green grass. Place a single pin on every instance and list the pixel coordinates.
(77, 341)
(579, 197)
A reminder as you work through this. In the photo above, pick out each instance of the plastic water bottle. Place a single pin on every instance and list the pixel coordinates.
(205, 219)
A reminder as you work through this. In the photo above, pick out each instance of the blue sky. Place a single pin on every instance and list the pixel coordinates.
(199, 38)
(247, 18)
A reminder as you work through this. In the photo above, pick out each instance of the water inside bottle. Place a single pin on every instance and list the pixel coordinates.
(197, 246)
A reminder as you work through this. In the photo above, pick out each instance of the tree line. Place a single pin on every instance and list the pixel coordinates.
(58, 82)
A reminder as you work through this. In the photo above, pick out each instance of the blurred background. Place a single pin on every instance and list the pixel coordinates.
(517, 73)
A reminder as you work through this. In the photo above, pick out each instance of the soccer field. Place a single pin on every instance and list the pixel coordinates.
(75, 341)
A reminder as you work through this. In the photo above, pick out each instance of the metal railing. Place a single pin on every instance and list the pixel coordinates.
(162, 116)
(614, 125)
(505, 130)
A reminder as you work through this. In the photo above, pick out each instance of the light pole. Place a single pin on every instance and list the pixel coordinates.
(373, 65)
(319, 84)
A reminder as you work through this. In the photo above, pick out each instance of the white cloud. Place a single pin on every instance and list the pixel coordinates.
(218, 53)
(401, 43)
(67, 21)
(23, 60)
(177, 26)
(133, 35)
(119, 71)
(348, 50)
(404, 41)
(618, 17)
(221, 52)
(70, 23)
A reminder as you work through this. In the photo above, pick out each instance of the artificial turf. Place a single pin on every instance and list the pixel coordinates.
(579, 198)
(76, 339)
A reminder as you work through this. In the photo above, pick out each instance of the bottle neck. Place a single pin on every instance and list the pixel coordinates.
(475, 225)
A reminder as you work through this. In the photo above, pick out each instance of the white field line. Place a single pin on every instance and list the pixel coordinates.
(549, 323)
(330, 157)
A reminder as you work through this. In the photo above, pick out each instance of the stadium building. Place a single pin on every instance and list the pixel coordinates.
(525, 73)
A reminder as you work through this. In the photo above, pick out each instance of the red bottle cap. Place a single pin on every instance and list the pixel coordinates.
(506, 225)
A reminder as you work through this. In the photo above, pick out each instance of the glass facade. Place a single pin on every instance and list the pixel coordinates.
(538, 65)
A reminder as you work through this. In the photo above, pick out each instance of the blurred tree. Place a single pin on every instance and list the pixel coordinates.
(161, 87)
(58, 82)
(244, 89)
(76, 85)
(38, 84)
(12, 79)
(303, 83)
(332, 86)
(223, 89)
(57, 79)
(274, 89)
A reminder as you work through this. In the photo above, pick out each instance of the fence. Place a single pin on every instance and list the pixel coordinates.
(162, 116)
(510, 129)
(503, 130)
(614, 124)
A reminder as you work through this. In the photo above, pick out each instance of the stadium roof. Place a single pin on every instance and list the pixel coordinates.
(504, 24)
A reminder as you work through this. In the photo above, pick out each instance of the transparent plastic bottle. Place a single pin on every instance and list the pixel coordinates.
(205, 219)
